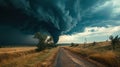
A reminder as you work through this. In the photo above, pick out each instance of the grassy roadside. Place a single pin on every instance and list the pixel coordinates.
(100, 54)
(49, 59)
(43, 58)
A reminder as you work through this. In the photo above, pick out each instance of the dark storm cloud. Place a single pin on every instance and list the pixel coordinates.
(47, 16)
(97, 13)
(55, 17)
(13, 36)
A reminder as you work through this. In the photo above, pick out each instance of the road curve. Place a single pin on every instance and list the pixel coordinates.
(67, 59)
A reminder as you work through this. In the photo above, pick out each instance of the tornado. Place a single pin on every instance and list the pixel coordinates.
(54, 17)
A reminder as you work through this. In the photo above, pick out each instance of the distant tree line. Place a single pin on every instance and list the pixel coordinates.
(73, 45)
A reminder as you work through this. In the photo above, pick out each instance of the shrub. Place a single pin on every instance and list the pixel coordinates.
(114, 41)
(94, 43)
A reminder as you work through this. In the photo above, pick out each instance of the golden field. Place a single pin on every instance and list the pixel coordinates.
(26, 57)
(15, 49)
(102, 53)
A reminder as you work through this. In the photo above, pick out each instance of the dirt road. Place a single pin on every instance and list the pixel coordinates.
(67, 59)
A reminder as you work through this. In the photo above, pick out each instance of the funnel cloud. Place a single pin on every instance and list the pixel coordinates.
(52, 17)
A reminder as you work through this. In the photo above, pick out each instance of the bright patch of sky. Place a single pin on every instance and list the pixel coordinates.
(91, 34)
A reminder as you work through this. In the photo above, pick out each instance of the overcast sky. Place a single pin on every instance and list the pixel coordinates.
(100, 20)
(65, 20)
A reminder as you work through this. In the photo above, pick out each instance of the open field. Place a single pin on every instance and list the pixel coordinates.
(11, 53)
(26, 57)
(101, 52)
(16, 49)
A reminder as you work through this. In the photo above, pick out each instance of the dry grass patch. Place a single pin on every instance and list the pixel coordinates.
(31, 60)
(11, 53)
(49, 61)
(15, 49)
(81, 51)
(108, 58)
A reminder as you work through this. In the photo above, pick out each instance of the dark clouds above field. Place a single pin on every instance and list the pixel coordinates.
(54, 17)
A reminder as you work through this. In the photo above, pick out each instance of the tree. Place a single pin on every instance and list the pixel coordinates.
(94, 43)
(72, 44)
(41, 37)
(45, 41)
(114, 41)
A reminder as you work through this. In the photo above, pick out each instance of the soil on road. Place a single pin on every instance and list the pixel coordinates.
(67, 59)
